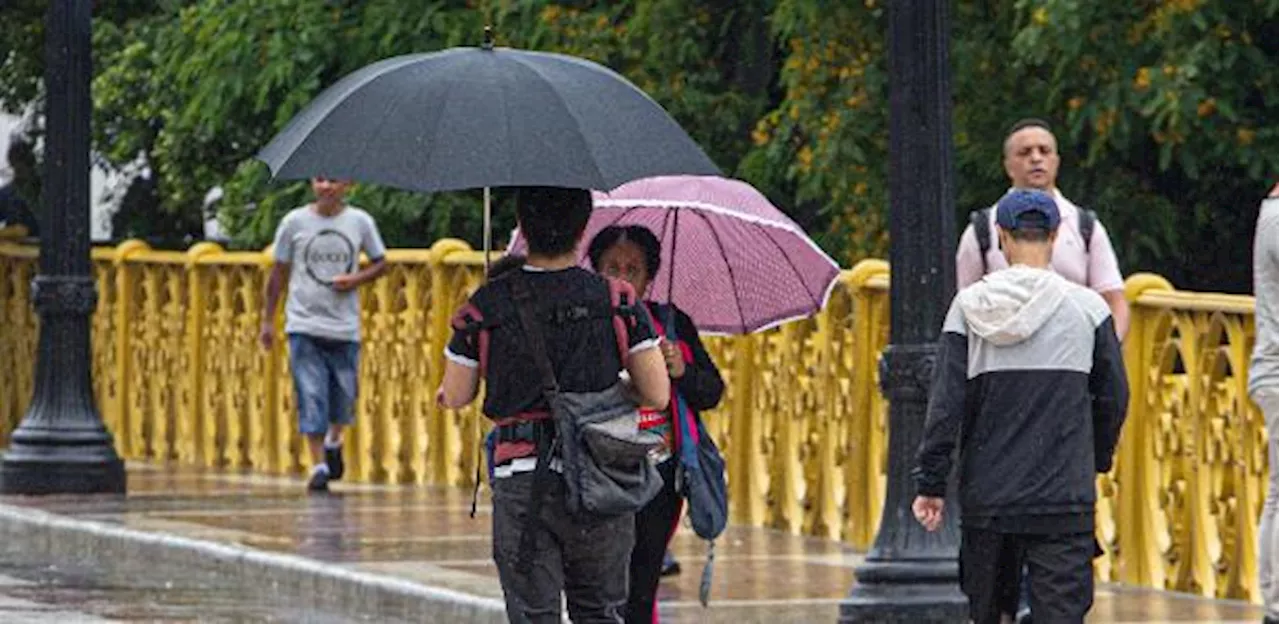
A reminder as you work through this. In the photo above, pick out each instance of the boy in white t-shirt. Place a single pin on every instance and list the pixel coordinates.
(317, 252)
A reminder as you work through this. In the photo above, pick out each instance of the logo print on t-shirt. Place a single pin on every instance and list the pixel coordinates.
(327, 255)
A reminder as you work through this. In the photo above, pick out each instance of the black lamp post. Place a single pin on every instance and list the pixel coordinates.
(61, 446)
(911, 575)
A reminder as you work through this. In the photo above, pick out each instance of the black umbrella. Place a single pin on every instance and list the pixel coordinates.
(484, 117)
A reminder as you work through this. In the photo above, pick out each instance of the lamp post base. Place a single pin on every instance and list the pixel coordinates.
(73, 465)
(62, 477)
(905, 591)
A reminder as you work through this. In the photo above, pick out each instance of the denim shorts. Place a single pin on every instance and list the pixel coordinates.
(325, 374)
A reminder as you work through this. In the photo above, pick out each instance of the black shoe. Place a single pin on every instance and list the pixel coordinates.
(319, 481)
(333, 459)
(670, 568)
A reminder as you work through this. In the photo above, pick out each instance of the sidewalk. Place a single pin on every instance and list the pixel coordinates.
(412, 553)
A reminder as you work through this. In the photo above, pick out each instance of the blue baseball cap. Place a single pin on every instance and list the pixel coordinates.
(1027, 209)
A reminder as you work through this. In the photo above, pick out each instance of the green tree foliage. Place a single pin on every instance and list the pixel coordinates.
(1165, 109)
(1171, 108)
(1165, 112)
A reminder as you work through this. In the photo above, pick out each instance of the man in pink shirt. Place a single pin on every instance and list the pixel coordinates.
(1031, 161)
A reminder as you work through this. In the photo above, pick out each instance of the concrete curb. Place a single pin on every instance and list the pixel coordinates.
(329, 587)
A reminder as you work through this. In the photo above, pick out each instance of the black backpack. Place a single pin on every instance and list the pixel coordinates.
(981, 221)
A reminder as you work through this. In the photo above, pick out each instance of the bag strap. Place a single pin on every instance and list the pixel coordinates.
(1087, 219)
(981, 221)
(470, 320)
(537, 345)
(622, 300)
(524, 303)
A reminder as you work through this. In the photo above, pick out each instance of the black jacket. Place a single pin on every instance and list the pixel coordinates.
(1030, 383)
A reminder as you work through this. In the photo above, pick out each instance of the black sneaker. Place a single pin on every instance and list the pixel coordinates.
(333, 459)
(319, 481)
(670, 568)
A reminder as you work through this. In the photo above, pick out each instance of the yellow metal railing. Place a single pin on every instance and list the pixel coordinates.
(1181, 508)
(179, 375)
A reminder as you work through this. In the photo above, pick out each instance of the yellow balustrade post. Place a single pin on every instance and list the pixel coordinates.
(413, 424)
(19, 327)
(9, 357)
(285, 439)
(1228, 442)
(784, 473)
(215, 386)
(127, 432)
(442, 447)
(863, 501)
(822, 491)
(1139, 489)
(1203, 539)
(363, 438)
(1252, 464)
(381, 431)
(191, 407)
(746, 467)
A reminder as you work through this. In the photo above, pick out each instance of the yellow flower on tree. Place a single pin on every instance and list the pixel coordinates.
(1142, 81)
(1206, 108)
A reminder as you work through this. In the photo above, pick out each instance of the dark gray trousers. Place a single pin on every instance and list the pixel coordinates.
(586, 559)
(1059, 574)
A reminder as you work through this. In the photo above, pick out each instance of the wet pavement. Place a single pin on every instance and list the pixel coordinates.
(61, 592)
(424, 534)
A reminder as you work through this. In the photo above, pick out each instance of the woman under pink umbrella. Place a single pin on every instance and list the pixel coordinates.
(632, 253)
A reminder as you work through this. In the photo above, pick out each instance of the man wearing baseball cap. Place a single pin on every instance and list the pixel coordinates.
(1030, 382)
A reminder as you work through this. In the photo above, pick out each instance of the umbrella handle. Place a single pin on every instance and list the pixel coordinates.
(488, 235)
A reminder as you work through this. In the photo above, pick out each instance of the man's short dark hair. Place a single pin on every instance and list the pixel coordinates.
(1028, 122)
(1023, 124)
(552, 218)
(1030, 235)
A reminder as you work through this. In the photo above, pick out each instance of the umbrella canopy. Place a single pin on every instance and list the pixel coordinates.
(467, 118)
(730, 259)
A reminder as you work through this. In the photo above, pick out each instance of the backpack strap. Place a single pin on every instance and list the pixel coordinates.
(470, 320)
(537, 346)
(981, 221)
(1087, 219)
(622, 296)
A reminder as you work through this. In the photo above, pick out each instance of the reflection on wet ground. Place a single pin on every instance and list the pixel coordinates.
(425, 534)
(46, 591)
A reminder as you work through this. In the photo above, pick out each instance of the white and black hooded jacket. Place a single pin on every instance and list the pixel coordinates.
(1030, 383)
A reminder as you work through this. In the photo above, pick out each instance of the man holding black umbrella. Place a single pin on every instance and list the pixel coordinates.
(551, 316)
